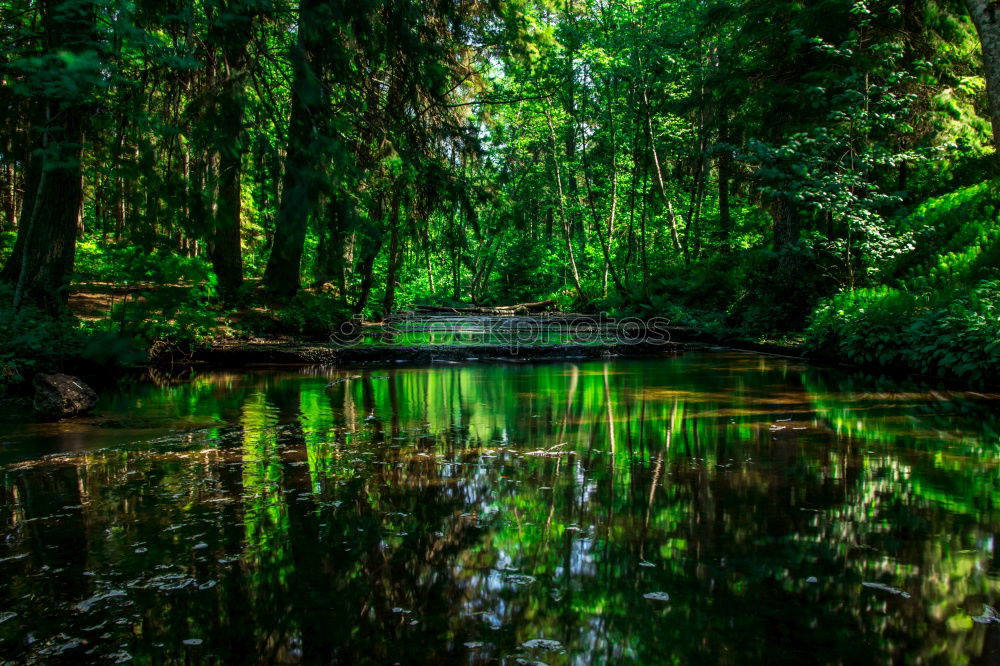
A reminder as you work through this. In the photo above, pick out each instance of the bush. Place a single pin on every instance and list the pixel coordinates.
(308, 313)
(941, 314)
(950, 335)
(37, 342)
(172, 301)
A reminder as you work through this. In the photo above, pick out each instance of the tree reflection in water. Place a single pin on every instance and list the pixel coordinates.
(455, 514)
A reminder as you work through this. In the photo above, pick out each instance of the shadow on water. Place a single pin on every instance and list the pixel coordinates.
(711, 508)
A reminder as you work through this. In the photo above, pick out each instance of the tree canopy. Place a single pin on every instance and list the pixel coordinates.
(734, 163)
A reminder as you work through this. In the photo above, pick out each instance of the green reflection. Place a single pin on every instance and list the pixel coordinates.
(383, 515)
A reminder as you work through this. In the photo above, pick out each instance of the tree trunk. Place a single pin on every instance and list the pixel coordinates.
(986, 16)
(671, 217)
(236, 23)
(393, 263)
(370, 250)
(371, 245)
(567, 231)
(785, 217)
(330, 260)
(303, 168)
(42, 264)
(9, 199)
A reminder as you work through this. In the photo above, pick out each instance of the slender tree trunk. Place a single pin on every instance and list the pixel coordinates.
(671, 217)
(986, 16)
(330, 259)
(371, 245)
(427, 257)
(567, 232)
(393, 261)
(370, 249)
(9, 187)
(598, 227)
(725, 215)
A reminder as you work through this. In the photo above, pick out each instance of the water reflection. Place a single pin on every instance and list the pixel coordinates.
(496, 513)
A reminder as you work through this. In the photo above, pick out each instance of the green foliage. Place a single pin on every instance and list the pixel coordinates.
(953, 337)
(168, 298)
(942, 317)
(37, 342)
(308, 314)
(956, 239)
(727, 165)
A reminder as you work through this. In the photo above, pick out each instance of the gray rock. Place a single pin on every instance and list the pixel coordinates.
(58, 396)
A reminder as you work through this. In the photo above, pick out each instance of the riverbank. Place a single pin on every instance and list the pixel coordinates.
(271, 352)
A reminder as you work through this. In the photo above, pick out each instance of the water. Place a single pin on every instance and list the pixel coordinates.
(709, 508)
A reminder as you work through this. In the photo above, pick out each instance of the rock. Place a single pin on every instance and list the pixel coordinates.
(58, 396)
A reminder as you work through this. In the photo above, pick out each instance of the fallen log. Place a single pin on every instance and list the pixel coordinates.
(498, 310)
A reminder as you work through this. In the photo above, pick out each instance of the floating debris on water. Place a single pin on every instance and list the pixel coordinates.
(886, 588)
(520, 579)
(85, 605)
(989, 615)
(11, 558)
(546, 644)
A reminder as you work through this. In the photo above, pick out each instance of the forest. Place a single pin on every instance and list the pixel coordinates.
(231, 430)
(819, 173)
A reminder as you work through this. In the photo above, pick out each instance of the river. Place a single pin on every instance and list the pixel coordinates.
(710, 507)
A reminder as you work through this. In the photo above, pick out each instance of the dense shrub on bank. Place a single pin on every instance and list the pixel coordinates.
(941, 314)
(955, 336)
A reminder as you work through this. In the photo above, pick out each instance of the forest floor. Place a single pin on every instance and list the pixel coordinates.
(93, 301)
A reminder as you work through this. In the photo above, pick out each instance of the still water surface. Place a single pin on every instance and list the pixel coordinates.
(707, 508)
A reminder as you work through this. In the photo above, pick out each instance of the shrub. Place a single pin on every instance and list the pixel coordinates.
(37, 342)
(172, 301)
(951, 335)
(308, 313)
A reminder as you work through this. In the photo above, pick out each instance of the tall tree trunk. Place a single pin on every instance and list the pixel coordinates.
(393, 262)
(786, 228)
(567, 231)
(671, 216)
(330, 261)
(725, 216)
(9, 198)
(371, 245)
(235, 25)
(369, 251)
(42, 265)
(427, 256)
(303, 164)
(986, 16)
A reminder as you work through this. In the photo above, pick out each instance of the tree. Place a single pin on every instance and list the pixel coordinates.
(986, 17)
(232, 32)
(308, 144)
(59, 78)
